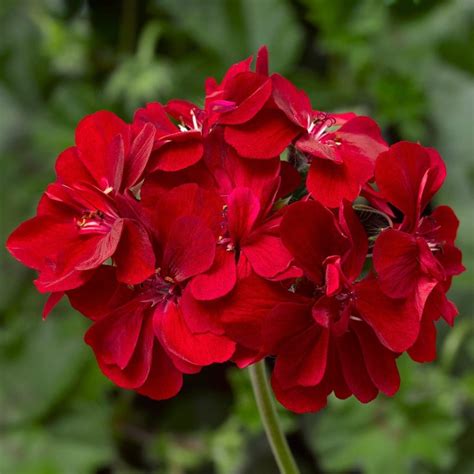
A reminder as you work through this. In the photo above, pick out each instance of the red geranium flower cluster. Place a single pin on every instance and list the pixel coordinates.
(255, 226)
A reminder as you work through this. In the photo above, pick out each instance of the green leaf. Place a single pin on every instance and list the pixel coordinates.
(235, 29)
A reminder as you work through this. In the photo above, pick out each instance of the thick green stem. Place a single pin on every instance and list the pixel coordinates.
(271, 423)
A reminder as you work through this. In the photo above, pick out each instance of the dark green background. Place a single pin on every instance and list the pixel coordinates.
(408, 64)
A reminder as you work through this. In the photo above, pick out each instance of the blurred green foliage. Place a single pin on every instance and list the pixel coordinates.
(407, 63)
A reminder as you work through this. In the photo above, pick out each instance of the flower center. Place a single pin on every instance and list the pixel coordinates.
(95, 222)
(158, 289)
(320, 124)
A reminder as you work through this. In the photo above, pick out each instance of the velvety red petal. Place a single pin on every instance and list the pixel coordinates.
(200, 315)
(244, 310)
(261, 64)
(134, 255)
(300, 399)
(36, 240)
(424, 348)
(163, 208)
(139, 154)
(267, 254)
(101, 294)
(249, 91)
(303, 359)
(94, 135)
(396, 257)
(177, 155)
(138, 368)
(94, 250)
(263, 137)
(354, 368)
(301, 233)
(396, 322)
(190, 249)
(155, 113)
(379, 361)
(70, 170)
(408, 178)
(353, 261)
(331, 183)
(199, 349)
(49, 281)
(218, 280)
(242, 212)
(283, 322)
(164, 379)
(51, 302)
(364, 134)
(115, 336)
(292, 101)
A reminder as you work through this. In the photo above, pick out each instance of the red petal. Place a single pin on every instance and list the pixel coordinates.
(218, 280)
(198, 349)
(292, 101)
(396, 260)
(283, 322)
(94, 135)
(353, 367)
(134, 256)
(190, 249)
(249, 91)
(70, 170)
(261, 66)
(155, 114)
(363, 134)
(303, 358)
(163, 208)
(138, 368)
(101, 294)
(139, 154)
(177, 155)
(263, 137)
(396, 322)
(301, 233)
(267, 254)
(379, 361)
(201, 316)
(95, 250)
(408, 176)
(300, 399)
(244, 310)
(164, 379)
(37, 239)
(51, 302)
(115, 336)
(331, 183)
(424, 349)
(243, 210)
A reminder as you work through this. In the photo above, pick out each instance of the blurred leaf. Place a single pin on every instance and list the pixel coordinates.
(419, 425)
(58, 353)
(141, 78)
(234, 29)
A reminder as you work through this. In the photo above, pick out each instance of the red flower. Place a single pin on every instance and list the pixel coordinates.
(90, 214)
(342, 160)
(419, 252)
(109, 154)
(175, 147)
(243, 104)
(179, 237)
(143, 327)
(342, 335)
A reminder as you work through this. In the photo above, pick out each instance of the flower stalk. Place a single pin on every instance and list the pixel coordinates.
(266, 407)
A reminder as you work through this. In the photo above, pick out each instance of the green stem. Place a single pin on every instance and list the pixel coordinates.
(271, 423)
